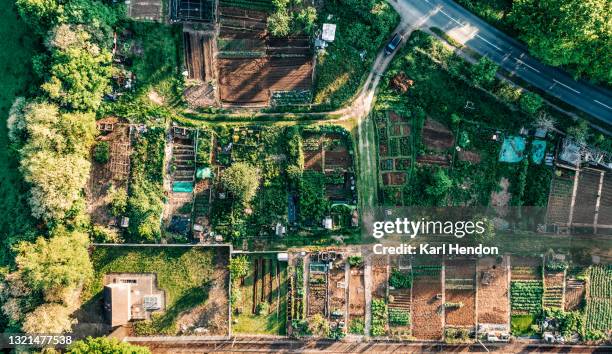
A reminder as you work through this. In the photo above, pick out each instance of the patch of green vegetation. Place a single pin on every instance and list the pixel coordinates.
(362, 27)
(146, 197)
(357, 326)
(469, 101)
(18, 46)
(162, 56)
(184, 273)
(521, 325)
(494, 12)
(267, 317)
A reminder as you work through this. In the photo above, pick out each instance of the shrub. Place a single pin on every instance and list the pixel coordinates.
(239, 267)
(355, 261)
(263, 308)
(318, 326)
(357, 326)
(105, 345)
(101, 152)
(400, 280)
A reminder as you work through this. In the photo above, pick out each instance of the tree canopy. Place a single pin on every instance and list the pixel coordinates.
(54, 148)
(48, 318)
(239, 267)
(572, 33)
(241, 180)
(80, 72)
(55, 264)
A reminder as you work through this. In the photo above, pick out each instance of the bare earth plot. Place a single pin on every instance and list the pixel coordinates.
(492, 277)
(460, 290)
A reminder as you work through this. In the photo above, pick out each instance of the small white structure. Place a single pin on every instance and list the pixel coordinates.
(282, 256)
(329, 32)
(327, 223)
(280, 229)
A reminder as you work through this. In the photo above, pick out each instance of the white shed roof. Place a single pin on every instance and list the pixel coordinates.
(329, 32)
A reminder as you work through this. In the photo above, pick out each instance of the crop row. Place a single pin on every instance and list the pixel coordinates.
(526, 296)
(601, 281)
(599, 314)
(249, 4)
(286, 98)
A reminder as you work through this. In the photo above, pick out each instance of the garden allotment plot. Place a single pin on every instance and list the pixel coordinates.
(253, 66)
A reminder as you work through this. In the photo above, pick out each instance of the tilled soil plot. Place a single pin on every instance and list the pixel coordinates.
(464, 315)
(427, 308)
(436, 136)
(356, 293)
(250, 80)
(492, 280)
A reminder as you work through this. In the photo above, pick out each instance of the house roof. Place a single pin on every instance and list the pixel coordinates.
(117, 303)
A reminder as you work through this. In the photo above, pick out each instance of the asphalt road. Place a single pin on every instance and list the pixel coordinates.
(511, 55)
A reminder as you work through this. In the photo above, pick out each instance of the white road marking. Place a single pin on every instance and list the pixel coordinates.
(479, 36)
(449, 16)
(493, 45)
(527, 65)
(562, 84)
(603, 104)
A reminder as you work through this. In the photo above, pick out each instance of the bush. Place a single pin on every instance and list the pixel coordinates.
(104, 345)
(239, 267)
(318, 326)
(103, 234)
(355, 261)
(357, 326)
(263, 308)
(530, 102)
(117, 200)
(400, 280)
(102, 152)
(379, 317)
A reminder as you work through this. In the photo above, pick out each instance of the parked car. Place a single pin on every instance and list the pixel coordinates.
(393, 43)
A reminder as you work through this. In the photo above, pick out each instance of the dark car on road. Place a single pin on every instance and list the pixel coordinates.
(393, 43)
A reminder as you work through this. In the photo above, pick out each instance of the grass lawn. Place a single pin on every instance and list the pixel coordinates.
(184, 273)
(341, 71)
(521, 325)
(275, 321)
(16, 49)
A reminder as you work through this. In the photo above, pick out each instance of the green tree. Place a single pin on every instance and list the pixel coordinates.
(40, 14)
(48, 318)
(579, 132)
(241, 180)
(279, 23)
(81, 71)
(101, 152)
(440, 184)
(105, 345)
(55, 264)
(54, 148)
(531, 102)
(239, 267)
(483, 72)
(55, 182)
(572, 33)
